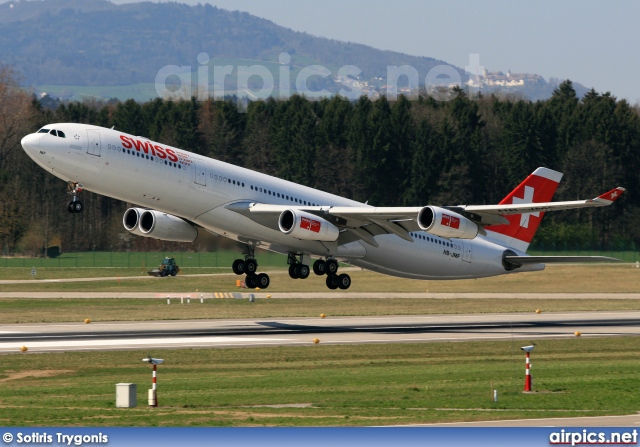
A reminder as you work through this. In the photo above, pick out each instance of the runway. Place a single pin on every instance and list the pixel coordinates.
(521, 327)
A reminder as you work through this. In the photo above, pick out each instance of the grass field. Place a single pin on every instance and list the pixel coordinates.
(217, 259)
(316, 385)
(139, 260)
(610, 279)
(604, 278)
(50, 310)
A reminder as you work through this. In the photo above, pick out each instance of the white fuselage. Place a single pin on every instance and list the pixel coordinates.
(199, 189)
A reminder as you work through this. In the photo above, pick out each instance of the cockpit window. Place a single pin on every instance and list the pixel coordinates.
(54, 132)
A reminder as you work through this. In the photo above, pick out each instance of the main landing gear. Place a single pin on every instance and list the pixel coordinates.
(75, 206)
(299, 270)
(248, 266)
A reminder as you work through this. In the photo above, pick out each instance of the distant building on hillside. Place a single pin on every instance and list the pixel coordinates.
(499, 79)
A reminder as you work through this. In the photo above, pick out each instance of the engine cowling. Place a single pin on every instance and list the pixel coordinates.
(158, 225)
(131, 220)
(307, 226)
(445, 223)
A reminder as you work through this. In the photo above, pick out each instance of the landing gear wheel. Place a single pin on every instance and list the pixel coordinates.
(250, 266)
(238, 267)
(331, 267)
(263, 280)
(344, 281)
(75, 207)
(319, 267)
(300, 271)
(292, 271)
(251, 281)
(332, 282)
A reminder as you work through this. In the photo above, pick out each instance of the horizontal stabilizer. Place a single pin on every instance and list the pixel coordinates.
(557, 259)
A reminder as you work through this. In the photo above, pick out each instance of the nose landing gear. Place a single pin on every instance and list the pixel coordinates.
(75, 206)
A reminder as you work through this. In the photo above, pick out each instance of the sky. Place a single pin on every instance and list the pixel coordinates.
(588, 41)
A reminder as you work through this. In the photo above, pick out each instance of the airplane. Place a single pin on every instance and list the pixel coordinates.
(179, 193)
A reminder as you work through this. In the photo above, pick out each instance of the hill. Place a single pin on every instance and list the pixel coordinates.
(94, 42)
(97, 43)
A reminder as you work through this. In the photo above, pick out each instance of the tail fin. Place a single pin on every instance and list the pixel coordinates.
(539, 187)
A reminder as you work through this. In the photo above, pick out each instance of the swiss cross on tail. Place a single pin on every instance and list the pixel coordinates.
(525, 206)
(539, 187)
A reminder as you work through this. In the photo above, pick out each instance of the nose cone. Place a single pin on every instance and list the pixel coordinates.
(30, 144)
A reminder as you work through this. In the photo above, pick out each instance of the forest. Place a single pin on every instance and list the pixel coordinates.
(408, 152)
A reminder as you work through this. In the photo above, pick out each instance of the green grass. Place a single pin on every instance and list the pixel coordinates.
(51, 310)
(215, 259)
(137, 260)
(610, 278)
(375, 384)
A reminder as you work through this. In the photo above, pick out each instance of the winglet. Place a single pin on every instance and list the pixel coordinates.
(609, 197)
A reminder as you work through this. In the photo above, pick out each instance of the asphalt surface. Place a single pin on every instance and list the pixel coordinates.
(523, 327)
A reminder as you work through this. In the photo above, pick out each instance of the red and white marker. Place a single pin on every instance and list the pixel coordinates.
(153, 392)
(527, 380)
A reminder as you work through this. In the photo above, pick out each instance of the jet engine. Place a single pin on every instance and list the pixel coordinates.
(158, 225)
(131, 219)
(445, 223)
(306, 226)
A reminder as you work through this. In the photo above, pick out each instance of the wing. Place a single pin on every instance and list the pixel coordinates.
(366, 222)
(491, 214)
(354, 223)
(518, 261)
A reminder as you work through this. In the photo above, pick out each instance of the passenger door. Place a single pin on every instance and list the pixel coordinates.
(94, 143)
(200, 173)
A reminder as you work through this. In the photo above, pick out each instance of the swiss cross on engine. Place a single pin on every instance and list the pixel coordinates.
(450, 221)
(310, 224)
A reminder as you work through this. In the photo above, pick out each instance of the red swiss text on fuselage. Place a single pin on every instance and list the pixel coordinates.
(148, 147)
